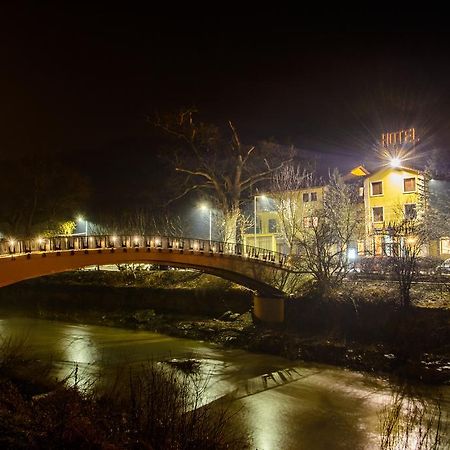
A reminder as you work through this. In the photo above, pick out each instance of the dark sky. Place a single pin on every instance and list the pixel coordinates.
(82, 82)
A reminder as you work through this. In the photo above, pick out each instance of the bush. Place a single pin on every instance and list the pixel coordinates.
(412, 422)
(151, 407)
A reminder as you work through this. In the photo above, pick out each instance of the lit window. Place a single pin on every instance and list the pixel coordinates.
(377, 214)
(445, 246)
(410, 211)
(314, 196)
(272, 225)
(409, 185)
(377, 188)
(305, 197)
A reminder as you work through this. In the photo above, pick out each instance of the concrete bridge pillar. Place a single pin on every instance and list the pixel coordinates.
(268, 309)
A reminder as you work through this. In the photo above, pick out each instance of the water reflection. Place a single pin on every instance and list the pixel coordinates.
(313, 411)
(78, 347)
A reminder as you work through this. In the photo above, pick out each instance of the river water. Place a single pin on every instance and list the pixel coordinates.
(284, 404)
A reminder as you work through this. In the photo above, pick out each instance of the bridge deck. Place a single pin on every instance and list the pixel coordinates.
(252, 267)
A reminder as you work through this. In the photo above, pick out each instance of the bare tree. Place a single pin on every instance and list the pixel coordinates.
(140, 221)
(408, 237)
(219, 164)
(434, 202)
(327, 233)
(286, 185)
(412, 232)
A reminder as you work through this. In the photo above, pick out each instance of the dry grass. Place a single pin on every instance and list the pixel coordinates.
(412, 423)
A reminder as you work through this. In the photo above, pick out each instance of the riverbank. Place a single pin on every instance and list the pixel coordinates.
(357, 333)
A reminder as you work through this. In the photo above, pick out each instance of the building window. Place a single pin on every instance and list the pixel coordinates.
(387, 245)
(305, 197)
(314, 196)
(445, 246)
(377, 188)
(409, 185)
(272, 225)
(377, 214)
(309, 222)
(410, 211)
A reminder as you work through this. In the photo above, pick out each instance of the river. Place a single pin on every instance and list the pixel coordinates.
(285, 404)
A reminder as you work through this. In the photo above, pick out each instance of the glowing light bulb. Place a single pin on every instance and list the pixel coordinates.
(395, 162)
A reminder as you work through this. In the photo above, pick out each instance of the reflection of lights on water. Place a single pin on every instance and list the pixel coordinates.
(212, 376)
(79, 354)
(79, 347)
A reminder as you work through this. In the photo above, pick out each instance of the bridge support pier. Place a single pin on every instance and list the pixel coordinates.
(268, 309)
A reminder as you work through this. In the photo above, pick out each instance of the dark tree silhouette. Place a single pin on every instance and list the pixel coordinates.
(39, 194)
(218, 163)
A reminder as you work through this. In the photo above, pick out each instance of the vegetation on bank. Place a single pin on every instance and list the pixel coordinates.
(409, 421)
(152, 406)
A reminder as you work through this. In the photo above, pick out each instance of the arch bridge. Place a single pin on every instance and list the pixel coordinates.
(257, 269)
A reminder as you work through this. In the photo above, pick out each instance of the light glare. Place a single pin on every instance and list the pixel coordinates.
(395, 162)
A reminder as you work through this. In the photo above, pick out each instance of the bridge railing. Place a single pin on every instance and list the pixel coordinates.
(112, 242)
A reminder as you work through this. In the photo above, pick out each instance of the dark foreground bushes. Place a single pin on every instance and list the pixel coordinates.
(408, 332)
(152, 406)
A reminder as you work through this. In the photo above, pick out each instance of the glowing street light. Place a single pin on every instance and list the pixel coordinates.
(351, 254)
(262, 197)
(395, 162)
(80, 220)
(205, 207)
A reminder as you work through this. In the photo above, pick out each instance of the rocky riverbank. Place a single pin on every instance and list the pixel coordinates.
(238, 331)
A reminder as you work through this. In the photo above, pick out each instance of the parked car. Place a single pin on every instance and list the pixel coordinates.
(444, 268)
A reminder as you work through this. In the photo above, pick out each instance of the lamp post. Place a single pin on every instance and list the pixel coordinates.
(80, 220)
(263, 197)
(205, 207)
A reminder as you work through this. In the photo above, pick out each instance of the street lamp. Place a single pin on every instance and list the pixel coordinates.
(80, 220)
(205, 207)
(262, 197)
(395, 162)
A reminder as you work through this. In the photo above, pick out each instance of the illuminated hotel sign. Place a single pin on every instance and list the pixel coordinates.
(398, 138)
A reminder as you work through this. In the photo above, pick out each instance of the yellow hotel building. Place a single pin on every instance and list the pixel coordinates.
(390, 194)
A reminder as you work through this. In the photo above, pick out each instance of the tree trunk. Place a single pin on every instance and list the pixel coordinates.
(231, 222)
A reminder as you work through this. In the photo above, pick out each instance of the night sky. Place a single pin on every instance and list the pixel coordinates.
(82, 82)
